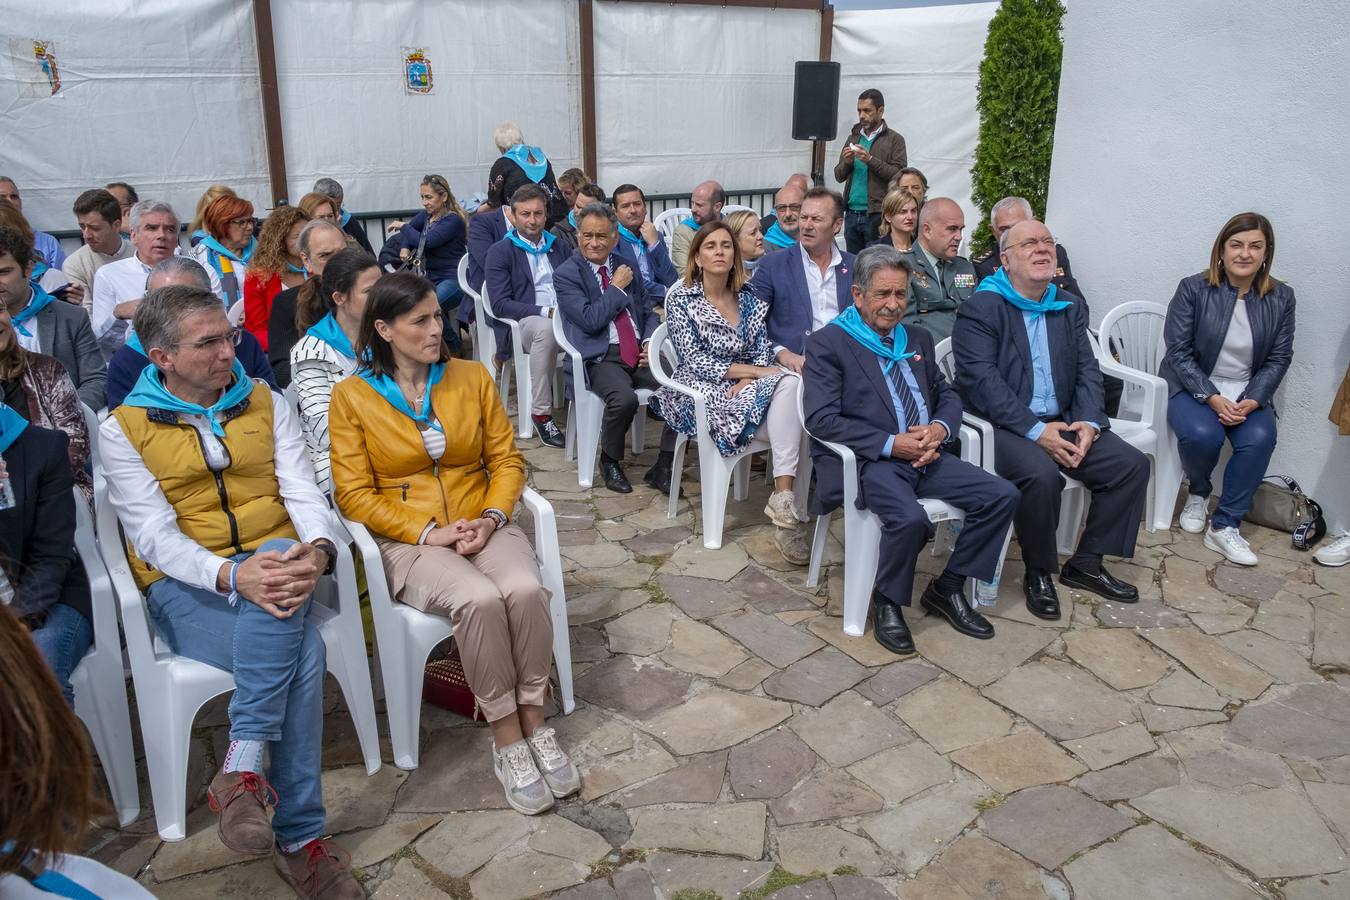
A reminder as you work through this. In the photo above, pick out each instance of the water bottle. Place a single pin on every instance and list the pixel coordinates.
(6, 493)
(986, 592)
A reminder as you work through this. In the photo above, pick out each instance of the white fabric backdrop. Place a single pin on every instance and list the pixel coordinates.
(159, 93)
(926, 62)
(686, 93)
(345, 113)
(1140, 185)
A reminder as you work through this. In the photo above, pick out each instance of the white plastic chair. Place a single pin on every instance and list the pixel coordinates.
(405, 636)
(99, 684)
(666, 222)
(585, 410)
(91, 422)
(716, 472)
(235, 313)
(1074, 497)
(730, 208)
(862, 530)
(484, 341)
(519, 362)
(170, 689)
(1134, 330)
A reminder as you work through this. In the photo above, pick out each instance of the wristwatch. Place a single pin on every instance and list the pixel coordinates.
(330, 551)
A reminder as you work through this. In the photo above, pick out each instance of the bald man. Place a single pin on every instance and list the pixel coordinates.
(942, 279)
(705, 205)
(1024, 362)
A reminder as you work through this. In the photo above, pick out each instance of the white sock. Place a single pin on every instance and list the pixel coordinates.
(244, 756)
(296, 847)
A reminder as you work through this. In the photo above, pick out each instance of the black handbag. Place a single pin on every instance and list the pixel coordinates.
(1279, 503)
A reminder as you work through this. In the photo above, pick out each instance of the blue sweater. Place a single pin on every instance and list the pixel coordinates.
(445, 244)
(128, 364)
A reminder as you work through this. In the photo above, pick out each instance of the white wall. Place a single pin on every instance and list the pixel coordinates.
(1173, 117)
(926, 63)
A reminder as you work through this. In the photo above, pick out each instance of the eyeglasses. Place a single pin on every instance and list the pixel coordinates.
(788, 207)
(1047, 242)
(246, 222)
(214, 343)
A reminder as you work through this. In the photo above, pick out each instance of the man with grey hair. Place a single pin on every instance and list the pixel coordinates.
(608, 316)
(705, 205)
(119, 286)
(228, 536)
(43, 243)
(521, 164)
(330, 188)
(320, 240)
(1005, 214)
(942, 278)
(872, 384)
(130, 359)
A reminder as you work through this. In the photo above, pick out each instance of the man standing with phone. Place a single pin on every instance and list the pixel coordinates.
(872, 156)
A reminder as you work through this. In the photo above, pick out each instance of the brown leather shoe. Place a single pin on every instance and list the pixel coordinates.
(242, 798)
(319, 869)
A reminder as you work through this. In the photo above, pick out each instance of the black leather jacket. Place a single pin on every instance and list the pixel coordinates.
(1197, 323)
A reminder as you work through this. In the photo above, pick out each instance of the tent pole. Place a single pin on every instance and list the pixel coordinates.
(271, 100)
(586, 34)
(826, 48)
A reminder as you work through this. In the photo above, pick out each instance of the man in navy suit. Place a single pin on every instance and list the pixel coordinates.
(608, 316)
(873, 384)
(644, 242)
(519, 282)
(487, 226)
(1024, 362)
(807, 286)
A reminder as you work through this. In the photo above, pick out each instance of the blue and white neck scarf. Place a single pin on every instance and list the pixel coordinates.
(778, 237)
(547, 239)
(860, 331)
(150, 393)
(11, 426)
(328, 331)
(387, 388)
(689, 221)
(1000, 284)
(530, 159)
(38, 302)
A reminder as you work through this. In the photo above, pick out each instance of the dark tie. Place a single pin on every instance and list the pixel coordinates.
(623, 324)
(907, 402)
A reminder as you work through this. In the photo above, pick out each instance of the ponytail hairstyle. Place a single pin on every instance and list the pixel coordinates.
(339, 275)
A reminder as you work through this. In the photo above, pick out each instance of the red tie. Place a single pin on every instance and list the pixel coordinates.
(623, 324)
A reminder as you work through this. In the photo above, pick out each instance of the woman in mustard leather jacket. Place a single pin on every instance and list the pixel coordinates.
(424, 456)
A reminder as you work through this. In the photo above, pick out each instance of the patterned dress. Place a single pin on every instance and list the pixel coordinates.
(707, 345)
(53, 403)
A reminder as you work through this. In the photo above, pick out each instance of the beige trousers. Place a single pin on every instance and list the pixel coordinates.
(497, 605)
(536, 333)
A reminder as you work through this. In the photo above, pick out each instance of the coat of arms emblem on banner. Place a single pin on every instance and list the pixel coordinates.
(417, 78)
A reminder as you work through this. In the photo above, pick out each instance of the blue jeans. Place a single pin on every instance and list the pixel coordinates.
(278, 667)
(447, 295)
(860, 229)
(1200, 437)
(63, 639)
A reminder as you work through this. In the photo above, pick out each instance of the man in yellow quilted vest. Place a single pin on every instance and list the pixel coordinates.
(229, 533)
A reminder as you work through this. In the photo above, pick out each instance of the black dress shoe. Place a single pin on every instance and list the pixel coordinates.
(889, 628)
(1042, 601)
(614, 477)
(549, 432)
(956, 609)
(1103, 584)
(658, 476)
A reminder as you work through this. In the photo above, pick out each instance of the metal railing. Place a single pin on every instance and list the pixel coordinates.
(758, 199)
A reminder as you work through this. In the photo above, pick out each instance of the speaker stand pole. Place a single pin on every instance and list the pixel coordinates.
(818, 163)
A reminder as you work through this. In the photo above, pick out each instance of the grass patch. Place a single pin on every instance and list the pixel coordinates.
(656, 592)
(847, 870)
(776, 880)
(607, 867)
(989, 801)
(695, 894)
(654, 561)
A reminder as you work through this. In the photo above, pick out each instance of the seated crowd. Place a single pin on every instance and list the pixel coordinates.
(226, 490)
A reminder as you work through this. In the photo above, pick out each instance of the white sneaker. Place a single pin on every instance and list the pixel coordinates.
(1231, 544)
(1194, 514)
(1337, 553)
(525, 788)
(560, 773)
(782, 509)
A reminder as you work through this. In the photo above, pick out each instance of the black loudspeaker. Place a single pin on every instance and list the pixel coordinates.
(815, 101)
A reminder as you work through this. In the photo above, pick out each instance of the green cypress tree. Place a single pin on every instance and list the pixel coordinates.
(1018, 96)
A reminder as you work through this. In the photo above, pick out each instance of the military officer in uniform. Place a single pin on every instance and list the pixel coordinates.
(941, 280)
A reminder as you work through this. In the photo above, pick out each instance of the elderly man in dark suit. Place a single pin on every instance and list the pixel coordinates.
(1024, 362)
(805, 287)
(608, 316)
(873, 384)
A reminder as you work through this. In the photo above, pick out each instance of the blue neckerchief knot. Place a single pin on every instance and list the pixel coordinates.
(343, 218)
(11, 426)
(150, 393)
(530, 159)
(630, 237)
(689, 221)
(1000, 284)
(778, 237)
(387, 388)
(328, 331)
(860, 331)
(36, 304)
(547, 239)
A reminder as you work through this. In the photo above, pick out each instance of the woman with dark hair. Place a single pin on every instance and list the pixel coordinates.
(46, 806)
(275, 266)
(912, 180)
(319, 206)
(1230, 340)
(228, 243)
(424, 456)
(717, 325)
(329, 320)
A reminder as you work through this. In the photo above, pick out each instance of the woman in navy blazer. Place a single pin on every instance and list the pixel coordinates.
(1230, 339)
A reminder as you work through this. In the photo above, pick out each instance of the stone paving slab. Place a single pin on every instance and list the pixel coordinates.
(1131, 779)
(976, 867)
(917, 830)
(1020, 760)
(1149, 862)
(847, 729)
(732, 829)
(1061, 699)
(805, 849)
(825, 795)
(1049, 824)
(715, 719)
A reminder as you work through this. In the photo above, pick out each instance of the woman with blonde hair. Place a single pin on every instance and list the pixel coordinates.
(276, 265)
(435, 241)
(745, 224)
(899, 220)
